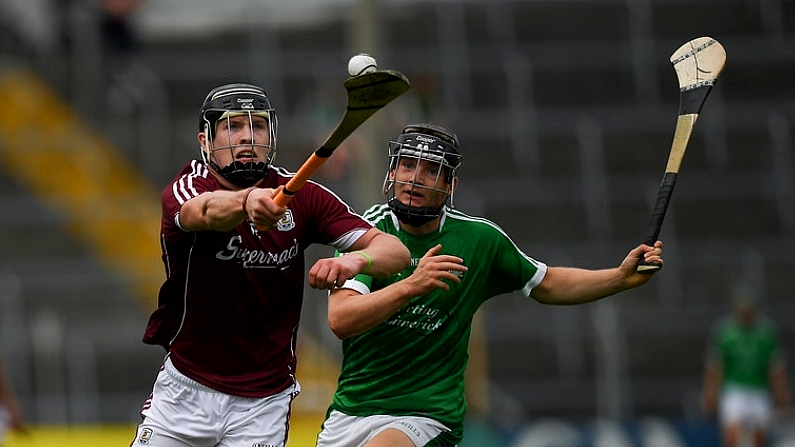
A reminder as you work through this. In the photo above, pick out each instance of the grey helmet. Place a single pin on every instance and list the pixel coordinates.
(427, 142)
(233, 100)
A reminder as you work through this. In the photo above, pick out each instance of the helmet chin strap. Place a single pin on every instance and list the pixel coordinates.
(242, 174)
(414, 216)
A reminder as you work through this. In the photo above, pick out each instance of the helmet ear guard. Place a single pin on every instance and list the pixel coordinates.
(231, 100)
(427, 142)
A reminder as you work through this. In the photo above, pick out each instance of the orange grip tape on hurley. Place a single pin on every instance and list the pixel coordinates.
(307, 170)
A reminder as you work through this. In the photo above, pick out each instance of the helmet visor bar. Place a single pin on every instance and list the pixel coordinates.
(234, 136)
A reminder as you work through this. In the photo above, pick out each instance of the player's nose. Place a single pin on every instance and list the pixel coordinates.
(246, 134)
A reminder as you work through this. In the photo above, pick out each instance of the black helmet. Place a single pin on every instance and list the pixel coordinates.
(234, 100)
(427, 142)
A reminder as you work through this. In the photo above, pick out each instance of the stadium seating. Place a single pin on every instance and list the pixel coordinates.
(565, 111)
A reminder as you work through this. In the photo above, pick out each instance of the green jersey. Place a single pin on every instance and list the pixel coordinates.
(414, 363)
(745, 353)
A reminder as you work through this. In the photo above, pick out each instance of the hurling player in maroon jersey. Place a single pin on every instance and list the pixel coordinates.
(229, 309)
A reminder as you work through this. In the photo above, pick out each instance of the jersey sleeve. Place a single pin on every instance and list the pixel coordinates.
(512, 268)
(337, 223)
(360, 283)
(778, 357)
(192, 181)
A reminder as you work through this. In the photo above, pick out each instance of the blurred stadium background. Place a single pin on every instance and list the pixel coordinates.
(565, 110)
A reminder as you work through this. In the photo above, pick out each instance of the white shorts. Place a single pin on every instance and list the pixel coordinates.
(184, 413)
(342, 430)
(747, 406)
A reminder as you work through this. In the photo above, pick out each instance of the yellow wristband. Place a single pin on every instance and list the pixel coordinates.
(366, 256)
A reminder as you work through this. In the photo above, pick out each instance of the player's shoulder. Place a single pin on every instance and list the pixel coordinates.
(193, 168)
(455, 217)
(193, 179)
(379, 215)
(277, 176)
(766, 324)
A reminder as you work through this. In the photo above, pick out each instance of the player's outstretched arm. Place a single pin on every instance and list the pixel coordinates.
(567, 285)
(713, 376)
(351, 313)
(223, 210)
(375, 253)
(780, 387)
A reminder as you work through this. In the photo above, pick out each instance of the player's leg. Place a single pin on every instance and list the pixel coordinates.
(759, 437)
(760, 417)
(732, 434)
(342, 430)
(176, 414)
(731, 416)
(407, 431)
(257, 422)
(390, 438)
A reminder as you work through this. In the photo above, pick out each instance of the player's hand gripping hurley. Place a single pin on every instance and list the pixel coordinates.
(367, 94)
(698, 64)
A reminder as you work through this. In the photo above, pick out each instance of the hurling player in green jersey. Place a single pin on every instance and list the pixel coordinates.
(745, 376)
(405, 338)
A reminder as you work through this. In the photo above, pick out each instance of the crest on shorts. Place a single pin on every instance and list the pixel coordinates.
(145, 436)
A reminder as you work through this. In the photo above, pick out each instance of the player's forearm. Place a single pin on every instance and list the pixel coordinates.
(385, 254)
(780, 388)
(565, 285)
(713, 377)
(217, 210)
(712, 380)
(351, 313)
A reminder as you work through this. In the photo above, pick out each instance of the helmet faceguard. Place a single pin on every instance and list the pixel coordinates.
(429, 143)
(227, 102)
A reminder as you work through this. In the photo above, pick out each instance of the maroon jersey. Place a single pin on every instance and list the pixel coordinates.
(228, 311)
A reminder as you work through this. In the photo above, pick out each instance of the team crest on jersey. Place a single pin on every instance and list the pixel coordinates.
(145, 436)
(286, 223)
